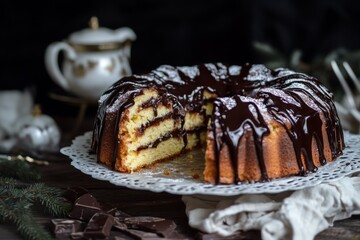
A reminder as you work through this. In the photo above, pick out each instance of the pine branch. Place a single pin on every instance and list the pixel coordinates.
(31, 230)
(50, 198)
(19, 194)
(19, 170)
(20, 214)
(6, 182)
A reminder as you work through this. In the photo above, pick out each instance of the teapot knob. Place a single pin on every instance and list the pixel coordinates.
(94, 23)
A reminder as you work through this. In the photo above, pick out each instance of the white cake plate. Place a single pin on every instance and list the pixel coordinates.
(183, 175)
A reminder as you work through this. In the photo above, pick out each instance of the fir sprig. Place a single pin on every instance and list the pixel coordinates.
(49, 197)
(19, 213)
(18, 198)
(19, 170)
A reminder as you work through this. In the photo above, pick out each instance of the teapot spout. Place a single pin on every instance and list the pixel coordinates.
(125, 34)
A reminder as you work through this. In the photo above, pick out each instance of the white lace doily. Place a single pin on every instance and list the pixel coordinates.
(184, 174)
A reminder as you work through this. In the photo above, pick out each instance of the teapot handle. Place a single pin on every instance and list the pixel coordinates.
(51, 61)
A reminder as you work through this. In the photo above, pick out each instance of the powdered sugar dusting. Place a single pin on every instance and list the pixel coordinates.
(280, 93)
(259, 104)
(255, 106)
(310, 102)
(284, 72)
(228, 102)
(299, 86)
(148, 77)
(259, 72)
(103, 98)
(114, 107)
(168, 72)
(218, 71)
(190, 72)
(234, 70)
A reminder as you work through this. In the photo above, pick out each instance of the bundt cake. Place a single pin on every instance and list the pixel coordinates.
(257, 124)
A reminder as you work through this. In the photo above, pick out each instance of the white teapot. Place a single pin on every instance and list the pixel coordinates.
(94, 58)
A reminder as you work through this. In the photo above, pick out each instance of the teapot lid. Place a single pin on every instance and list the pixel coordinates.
(98, 35)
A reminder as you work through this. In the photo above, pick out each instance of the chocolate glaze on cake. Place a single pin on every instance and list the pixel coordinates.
(246, 95)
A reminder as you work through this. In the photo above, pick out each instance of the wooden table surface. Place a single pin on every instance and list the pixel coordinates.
(144, 203)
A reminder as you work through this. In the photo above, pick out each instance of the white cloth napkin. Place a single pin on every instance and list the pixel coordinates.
(297, 215)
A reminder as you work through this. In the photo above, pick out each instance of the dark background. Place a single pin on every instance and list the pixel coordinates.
(173, 32)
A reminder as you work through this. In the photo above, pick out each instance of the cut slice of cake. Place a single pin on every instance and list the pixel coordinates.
(149, 131)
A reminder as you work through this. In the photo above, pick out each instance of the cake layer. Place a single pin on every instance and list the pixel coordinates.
(147, 107)
(194, 120)
(152, 133)
(165, 150)
(195, 139)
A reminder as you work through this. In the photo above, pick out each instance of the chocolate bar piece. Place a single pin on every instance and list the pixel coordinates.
(100, 218)
(163, 227)
(77, 235)
(65, 227)
(73, 193)
(99, 226)
(119, 224)
(120, 215)
(107, 208)
(85, 207)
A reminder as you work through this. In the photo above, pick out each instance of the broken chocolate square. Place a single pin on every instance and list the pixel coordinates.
(99, 219)
(107, 208)
(73, 193)
(99, 226)
(161, 226)
(120, 215)
(119, 224)
(77, 235)
(65, 227)
(85, 207)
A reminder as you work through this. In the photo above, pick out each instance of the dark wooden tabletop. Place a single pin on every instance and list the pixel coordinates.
(59, 173)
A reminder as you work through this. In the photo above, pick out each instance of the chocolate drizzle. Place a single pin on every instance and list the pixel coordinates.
(227, 118)
(305, 124)
(248, 95)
